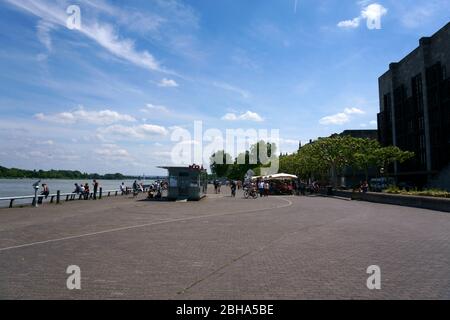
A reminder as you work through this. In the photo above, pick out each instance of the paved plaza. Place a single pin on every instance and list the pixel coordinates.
(224, 248)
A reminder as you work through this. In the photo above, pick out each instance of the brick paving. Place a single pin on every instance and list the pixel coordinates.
(224, 248)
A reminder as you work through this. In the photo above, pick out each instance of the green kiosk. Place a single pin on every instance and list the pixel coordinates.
(187, 183)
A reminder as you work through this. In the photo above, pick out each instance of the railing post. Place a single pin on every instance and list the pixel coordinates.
(58, 197)
(11, 203)
(100, 194)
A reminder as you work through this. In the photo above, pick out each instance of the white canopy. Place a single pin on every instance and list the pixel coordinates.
(282, 176)
(278, 176)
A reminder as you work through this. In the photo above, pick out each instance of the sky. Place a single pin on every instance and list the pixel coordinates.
(108, 94)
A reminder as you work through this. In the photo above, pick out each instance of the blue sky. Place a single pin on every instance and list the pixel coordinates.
(107, 97)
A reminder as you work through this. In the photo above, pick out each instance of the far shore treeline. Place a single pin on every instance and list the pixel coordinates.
(14, 173)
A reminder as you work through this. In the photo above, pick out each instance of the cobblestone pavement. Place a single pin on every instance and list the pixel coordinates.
(224, 248)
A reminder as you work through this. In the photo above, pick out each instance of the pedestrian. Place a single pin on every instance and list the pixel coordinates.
(303, 188)
(87, 192)
(233, 186)
(77, 189)
(122, 188)
(45, 191)
(365, 187)
(266, 189)
(135, 188)
(261, 188)
(95, 184)
(215, 186)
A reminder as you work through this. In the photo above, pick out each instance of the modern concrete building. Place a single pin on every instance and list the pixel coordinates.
(415, 111)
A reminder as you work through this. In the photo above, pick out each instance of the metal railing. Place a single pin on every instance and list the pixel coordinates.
(60, 197)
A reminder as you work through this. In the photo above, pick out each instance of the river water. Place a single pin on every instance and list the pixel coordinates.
(23, 187)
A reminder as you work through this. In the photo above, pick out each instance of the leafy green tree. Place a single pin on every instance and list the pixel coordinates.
(365, 155)
(389, 155)
(221, 163)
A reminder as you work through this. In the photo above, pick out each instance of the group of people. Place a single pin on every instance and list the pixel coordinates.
(85, 190)
(263, 188)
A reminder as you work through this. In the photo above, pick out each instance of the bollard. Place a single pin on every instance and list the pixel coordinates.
(58, 197)
(100, 194)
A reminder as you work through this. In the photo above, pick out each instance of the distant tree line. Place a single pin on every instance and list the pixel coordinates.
(15, 173)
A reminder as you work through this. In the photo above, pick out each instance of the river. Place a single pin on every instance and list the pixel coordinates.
(23, 187)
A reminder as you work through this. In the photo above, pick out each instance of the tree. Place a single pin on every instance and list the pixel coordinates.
(221, 163)
(365, 156)
(335, 153)
(389, 155)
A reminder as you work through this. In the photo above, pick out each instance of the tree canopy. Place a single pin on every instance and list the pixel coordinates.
(326, 157)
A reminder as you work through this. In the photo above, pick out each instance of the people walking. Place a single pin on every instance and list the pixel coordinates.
(217, 185)
(95, 184)
(135, 188)
(266, 189)
(233, 186)
(261, 188)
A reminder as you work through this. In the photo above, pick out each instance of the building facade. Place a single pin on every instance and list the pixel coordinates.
(415, 111)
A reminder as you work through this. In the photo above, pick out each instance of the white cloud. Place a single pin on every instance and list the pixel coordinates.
(46, 143)
(247, 116)
(104, 117)
(112, 152)
(103, 34)
(354, 23)
(106, 36)
(152, 108)
(373, 123)
(371, 12)
(342, 117)
(353, 111)
(43, 33)
(168, 83)
(337, 119)
(225, 86)
(140, 132)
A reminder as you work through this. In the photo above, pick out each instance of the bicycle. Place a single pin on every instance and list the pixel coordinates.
(250, 194)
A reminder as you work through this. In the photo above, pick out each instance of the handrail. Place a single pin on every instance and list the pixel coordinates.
(68, 196)
(50, 195)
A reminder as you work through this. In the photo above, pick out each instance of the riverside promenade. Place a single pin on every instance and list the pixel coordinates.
(224, 248)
